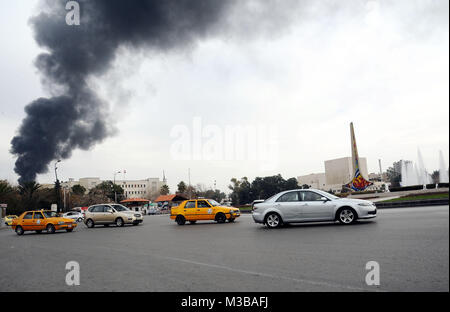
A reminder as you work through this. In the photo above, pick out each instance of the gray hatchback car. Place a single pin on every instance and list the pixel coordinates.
(312, 205)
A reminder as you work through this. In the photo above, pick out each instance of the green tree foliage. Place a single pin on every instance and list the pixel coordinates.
(435, 177)
(164, 190)
(5, 190)
(30, 195)
(182, 187)
(78, 189)
(108, 189)
(394, 174)
(244, 192)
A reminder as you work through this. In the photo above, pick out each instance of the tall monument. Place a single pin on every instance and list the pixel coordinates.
(359, 183)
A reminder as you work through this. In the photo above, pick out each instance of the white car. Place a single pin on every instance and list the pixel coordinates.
(74, 215)
(298, 206)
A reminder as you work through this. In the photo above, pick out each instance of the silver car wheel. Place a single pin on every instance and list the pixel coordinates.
(347, 216)
(273, 220)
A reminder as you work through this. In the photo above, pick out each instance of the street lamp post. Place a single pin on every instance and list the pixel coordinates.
(57, 187)
(114, 186)
(56, 168)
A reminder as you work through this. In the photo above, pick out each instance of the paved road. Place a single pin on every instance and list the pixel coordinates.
(410, 244)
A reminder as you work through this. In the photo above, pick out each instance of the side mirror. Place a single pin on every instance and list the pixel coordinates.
(324, 199)
(110, 210)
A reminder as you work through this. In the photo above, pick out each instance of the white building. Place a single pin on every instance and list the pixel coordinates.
(338, 172)
(141, 188)
(314, 180)
(146, 188)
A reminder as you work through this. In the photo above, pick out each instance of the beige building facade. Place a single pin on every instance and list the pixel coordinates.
(146, 188)
(338, 172)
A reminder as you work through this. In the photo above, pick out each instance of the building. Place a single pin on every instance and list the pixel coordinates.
(337, 173)
(340, 171)
(147, 188)
(314, 180)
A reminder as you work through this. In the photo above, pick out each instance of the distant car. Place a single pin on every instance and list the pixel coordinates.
(152, 211)
(74, 215)
(311, 205)
(42, 220)
(203, 209)
(107, 214)
(9, 219)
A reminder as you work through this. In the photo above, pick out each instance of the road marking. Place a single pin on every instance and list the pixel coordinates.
(298, 280)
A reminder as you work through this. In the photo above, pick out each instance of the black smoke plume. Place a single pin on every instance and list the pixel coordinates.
(75, 117)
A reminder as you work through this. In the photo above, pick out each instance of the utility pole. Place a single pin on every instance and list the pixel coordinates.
(381, 170)
(190, 189)
(57, 187)
(114, 186)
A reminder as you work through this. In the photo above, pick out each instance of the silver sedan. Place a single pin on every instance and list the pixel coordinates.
(298, 206)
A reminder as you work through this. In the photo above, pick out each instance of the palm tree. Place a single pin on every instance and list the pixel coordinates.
(5, 189)
(29, 192)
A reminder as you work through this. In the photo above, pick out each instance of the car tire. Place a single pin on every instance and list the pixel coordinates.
(346, 216)
(80, 220)
(38, 232)
(192, 222)
(51, 229)
(180, 220)
(231, 220)
(90, 223)
(273, 220)
(119, 222)
(221, 218)
(19, 230)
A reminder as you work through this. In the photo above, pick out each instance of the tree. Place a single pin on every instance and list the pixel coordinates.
(30, 195)
(164, 190)
(108, 189)
(244, 192)
(78, 189)
(5, 190)
(182, 187)
(394, 174)
(435, 177)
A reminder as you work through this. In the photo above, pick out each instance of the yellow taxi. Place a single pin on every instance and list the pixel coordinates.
(41, 220)
(9, 219)
(201, 210)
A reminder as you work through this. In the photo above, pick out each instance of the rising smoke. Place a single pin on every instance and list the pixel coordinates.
(75, 117)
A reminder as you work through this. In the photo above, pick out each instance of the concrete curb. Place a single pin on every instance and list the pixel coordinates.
(413, 203)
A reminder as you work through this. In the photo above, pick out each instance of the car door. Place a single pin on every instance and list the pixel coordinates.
(289, 205)
(27, 221)
(39, 221)
(98, 214)
(314, 207)
(189, 210)
(109, 214)
(204, 210)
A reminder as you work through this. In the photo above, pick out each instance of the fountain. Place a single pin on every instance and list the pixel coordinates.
(409, 174)
(415, 174)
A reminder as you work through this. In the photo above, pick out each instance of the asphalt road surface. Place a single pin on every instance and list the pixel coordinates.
(411, 246)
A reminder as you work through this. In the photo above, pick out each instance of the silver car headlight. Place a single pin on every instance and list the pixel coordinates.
(60, 222)
(365, 204)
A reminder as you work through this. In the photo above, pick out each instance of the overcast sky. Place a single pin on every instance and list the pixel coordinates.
(382, 64)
